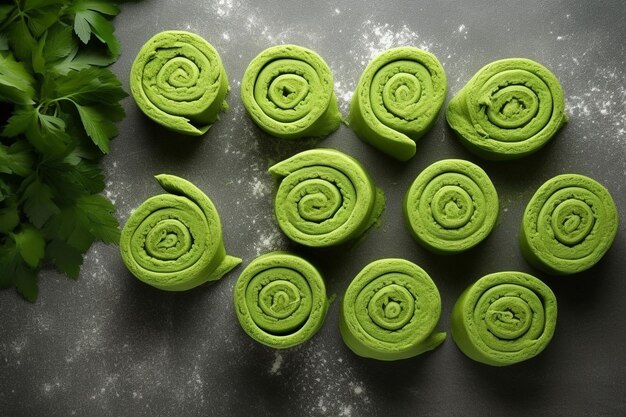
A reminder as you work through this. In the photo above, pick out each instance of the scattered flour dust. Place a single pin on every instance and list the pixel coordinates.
(257, 26)
(259, 188)
(222, 8)
(268, 242)
(379, 37)
(49, 388)
(327, 382)
(600, 101)
(278, 362)
(372, 39)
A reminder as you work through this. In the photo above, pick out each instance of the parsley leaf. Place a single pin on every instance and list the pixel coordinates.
(65, 258)
(37, 201)
(16, 159)
(4, 42)
(89, 19)
(25, 281)
(83, 59)
(95, 213)
(19, 122)
(48, 134)
(91, 85)
(72, 180)
(18, 274)
(98, 126)
(58, 109)
(59, 43)
(64, 226)
(16, 82)
(95, 93)
(30, 245)
(9, 215)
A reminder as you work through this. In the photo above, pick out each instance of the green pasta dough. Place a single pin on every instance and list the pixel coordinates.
(288, 92)
(325, 198)
(178, 80)
(397, 100)
(504, 318)
(451, 206)
(390, 311)
(174, 241)
(568, 225)
(280, 300)
(509, 109)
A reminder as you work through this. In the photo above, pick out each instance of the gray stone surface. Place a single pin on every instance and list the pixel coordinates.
(107, 345)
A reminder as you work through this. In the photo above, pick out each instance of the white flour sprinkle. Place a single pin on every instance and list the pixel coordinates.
(380, 37)
(107, 388)
(278, 362)
(223, 8)
(600, 100)
(49, 388)
(344, 95)
(345, 410)
(371, 40)
(329, 385)
(269, 242)
(257, 26)
(90, 339)
(18, 345)
(259, 188)
(196, 383)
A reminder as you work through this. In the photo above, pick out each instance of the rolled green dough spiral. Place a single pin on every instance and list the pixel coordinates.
(280, 300)
(451, 206)
(397, 100)
(288, 92)
(178, 80)
(390, 311)
(568, 225)
(325, 198)
(504, 318)
(174, 241)
(509, 109)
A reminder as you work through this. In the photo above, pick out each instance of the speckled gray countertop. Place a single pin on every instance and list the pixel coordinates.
(108, 345)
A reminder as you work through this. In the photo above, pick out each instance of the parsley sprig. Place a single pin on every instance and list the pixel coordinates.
(58, 108)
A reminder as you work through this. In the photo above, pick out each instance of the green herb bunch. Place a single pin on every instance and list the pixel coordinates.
(58, 108)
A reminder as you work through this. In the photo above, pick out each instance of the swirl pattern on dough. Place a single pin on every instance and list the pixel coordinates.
(174, 241)
(288, 92)
(504, 318)
(568, 225)
(178, 80)
(325, 198)
(390, 311)
(280, 300)
(509, 109)
(451, 206)
(397, 100)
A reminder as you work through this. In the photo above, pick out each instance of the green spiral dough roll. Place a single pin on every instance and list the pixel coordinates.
(325, 198)
(288, 92)
(280, 300)
(390, 311)
(451, 206)
(568, 225)
(397, 100)
(174, 241)
(178, 80)
(508, 110)
(504, 318)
